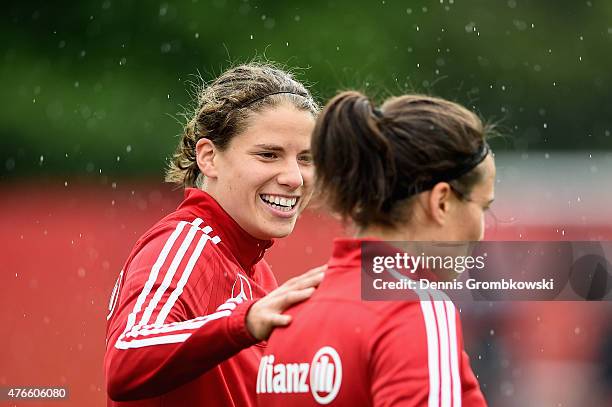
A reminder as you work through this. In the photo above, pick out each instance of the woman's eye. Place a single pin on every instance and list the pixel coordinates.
(305, 159)
(268, 156)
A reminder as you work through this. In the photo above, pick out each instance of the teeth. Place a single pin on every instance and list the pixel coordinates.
(278, 202)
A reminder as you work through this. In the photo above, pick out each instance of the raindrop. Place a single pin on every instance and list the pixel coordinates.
(42, 158)
(197, 35)
(251, 36)
(10, 164)
(163, 9)
(545, 125)
(128, 148)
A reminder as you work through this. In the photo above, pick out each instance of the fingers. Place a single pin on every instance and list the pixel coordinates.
(310, 273)
(280, 320)
(311, 281)
(311, 278)
(293, 297)
(315, 271)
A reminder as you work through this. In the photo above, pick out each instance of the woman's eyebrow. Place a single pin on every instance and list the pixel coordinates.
(271, 147)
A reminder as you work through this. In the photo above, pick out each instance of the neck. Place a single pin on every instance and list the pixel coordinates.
(385, 233)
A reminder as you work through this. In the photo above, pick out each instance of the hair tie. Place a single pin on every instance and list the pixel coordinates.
(250, 102)
(458, 171)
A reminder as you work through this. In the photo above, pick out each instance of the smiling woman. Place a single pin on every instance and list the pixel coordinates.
(195, 296)
(263, 179)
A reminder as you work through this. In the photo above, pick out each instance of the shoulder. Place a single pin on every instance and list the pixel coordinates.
(173, 243)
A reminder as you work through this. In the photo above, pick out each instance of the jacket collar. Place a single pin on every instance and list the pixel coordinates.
(235, 242)
(347, 252)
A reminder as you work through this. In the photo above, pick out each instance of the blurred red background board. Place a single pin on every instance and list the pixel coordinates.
(62, 250)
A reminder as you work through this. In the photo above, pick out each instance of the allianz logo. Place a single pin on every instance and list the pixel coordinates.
(321, 377)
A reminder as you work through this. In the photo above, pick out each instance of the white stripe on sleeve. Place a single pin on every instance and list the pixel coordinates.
(170, 273)
(452, 330)
(154, 273)
(431, 329)
(161, 318)
(445, 377)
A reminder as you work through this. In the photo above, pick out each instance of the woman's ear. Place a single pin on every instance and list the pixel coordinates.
(205, 157)
(440, 202)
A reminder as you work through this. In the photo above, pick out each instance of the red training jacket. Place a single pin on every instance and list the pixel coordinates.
(342, 351)
(176, 333)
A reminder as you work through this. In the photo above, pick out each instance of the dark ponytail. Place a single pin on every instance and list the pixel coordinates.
(354, 159)
(369, 161)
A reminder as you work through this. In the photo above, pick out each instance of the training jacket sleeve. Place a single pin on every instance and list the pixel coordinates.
(165, 327)
(472, 396)
(418, 358)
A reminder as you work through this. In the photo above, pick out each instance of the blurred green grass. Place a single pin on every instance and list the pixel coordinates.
(96, 86)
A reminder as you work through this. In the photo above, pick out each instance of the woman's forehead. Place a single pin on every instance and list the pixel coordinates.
(279, 126)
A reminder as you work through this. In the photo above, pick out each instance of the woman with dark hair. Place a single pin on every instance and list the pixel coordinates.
(416, 169)
(195, 297)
